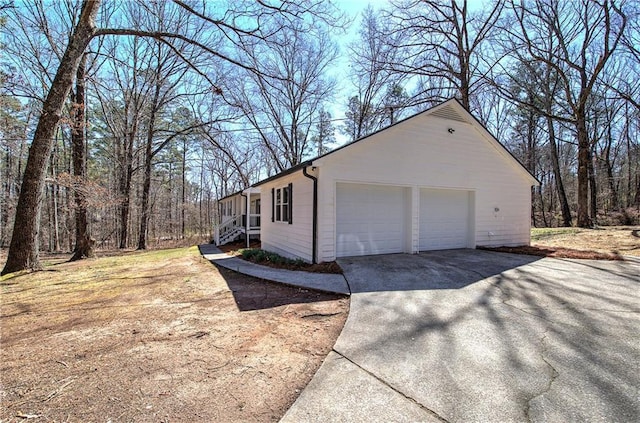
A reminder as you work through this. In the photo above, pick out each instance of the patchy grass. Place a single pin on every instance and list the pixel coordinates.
(611, 240)
(538, 234)
(603, 243)
(154, 336)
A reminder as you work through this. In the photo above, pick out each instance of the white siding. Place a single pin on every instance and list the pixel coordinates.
(422, 153)
(289, 240)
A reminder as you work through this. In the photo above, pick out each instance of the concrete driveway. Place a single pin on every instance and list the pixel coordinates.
(477, 336)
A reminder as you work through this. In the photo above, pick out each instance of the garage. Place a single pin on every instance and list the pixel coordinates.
(370, 219)
(436, 180)
(445, 217)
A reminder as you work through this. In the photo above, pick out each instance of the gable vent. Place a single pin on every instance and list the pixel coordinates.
(448, 112)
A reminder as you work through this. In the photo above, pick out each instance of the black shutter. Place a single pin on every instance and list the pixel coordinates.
(273, 204)
(290, 204)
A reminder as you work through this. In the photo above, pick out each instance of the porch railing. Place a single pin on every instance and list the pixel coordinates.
(234, 225)
(224, 229)
(254, 221)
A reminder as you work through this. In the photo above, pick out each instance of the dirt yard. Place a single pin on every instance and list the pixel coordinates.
(617, 240)
(155, 337)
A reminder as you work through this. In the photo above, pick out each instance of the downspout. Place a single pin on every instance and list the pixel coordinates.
(314, 235)
(216, 238)
(246, 217)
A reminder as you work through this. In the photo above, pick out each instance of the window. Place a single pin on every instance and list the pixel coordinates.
(285, 204)
(255, 206)
(282, 204)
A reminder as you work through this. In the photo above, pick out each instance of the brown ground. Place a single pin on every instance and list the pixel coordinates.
(157, 336)
(617, 240)
(556, 252)
(603, 243)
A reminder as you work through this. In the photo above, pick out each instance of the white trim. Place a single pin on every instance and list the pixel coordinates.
(282, 206)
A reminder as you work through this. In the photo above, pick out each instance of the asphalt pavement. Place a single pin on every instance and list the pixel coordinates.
(479, 336)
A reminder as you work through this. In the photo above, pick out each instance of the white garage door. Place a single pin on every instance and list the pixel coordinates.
(370, 219)
(444, 219)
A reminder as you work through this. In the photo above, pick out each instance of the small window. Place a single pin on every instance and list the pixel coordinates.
(279, 205)
(283, 204)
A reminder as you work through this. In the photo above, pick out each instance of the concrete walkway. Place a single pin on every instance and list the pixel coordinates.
(326, 282)
(478, 336)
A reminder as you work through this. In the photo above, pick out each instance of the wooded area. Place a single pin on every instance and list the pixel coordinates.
(122, 122)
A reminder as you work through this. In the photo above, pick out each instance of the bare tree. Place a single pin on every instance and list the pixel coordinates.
(324, 135)
(164, 73)
(369, 58)
(284, 98)
(576, 40)
(232, 24)
(122, 94)
(534, 87)
(23, 250)
(441, 42)
(84, 243)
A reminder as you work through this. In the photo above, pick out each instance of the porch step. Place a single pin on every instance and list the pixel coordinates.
(230, 236)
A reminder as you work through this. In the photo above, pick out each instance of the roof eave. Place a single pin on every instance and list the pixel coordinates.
(286, 172)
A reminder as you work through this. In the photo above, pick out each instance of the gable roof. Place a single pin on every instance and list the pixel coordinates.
(450, 109)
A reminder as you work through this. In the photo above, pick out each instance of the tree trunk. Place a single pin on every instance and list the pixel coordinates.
(84, 243)
(6, 188)
(584, 221)
(627, 137)
(593, 193)
(146, 185)
(184, 183)
(53, 221)
(531, 161)
(201, 195)
(636, 200)
(23, 250)
(464, 84)
(557, 174)
(125, 184)
(611, 180)
(146, 188)
(170, 208)
(544, 215)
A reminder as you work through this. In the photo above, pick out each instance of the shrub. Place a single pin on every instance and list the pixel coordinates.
(260, 256)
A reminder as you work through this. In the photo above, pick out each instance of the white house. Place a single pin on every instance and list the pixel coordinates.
(436, 180)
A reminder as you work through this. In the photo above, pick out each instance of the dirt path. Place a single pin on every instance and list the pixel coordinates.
(158, 336)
